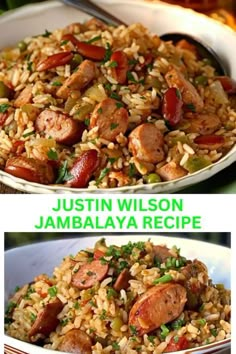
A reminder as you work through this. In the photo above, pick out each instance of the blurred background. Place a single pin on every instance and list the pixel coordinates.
(16, 239)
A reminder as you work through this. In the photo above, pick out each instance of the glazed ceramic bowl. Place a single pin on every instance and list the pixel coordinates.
(22, 264)
(159, 18)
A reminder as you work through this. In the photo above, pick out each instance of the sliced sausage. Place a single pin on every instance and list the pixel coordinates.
(211, 142)
(146, 143)
(122, 281)
(192, 284)
(76, 342)
(47, 320)
(30, 169)
(110, 118)
(78, 80)
(171, 171)
(119, 72)
(24, 97)
(189, 94)
(89, 273)
(158, 305)
(63, 129)
(162, 253)
(83, 169)
(203, 124)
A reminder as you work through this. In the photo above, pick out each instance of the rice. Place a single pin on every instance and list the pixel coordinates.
(137, 79)
(97, 309)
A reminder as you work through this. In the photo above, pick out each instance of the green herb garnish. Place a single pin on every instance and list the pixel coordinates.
(28, 134)
(63, 174)
(94, 39)
(52, 291)
(164, 279)
(103, 173)
(4, 107)
(52, 155)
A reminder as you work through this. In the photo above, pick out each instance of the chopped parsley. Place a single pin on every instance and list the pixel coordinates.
(76, 305)
(108, 53)
(64, 322)
(56, 83)
(191, 107)
(103, 315)
(113, 64)
(119, 104)
(164, 331)
(112, 159)
(52, 155)
(164, 279)
(92, 303)
(122, 265)
(177, 324)
(132, 61)
(100, 110)
(133, 330)
(113, 251)
(4, 107)
(94, 39)
(201, 321)
(115, 96)
(113, 126)
(151, 339)
(64, 42)
(128, 249)
(115, 346)
(46, 34)
(28, 134)
(52, 291)
(103, 173)
(30, 290)
(32, 317)
(131, 78)
(89, 273)
(132, 170)
(16, 288)
(111, 293)
(213, 331)
(63, 174)
(10, 307)
(87, 121)
(29, 65)
(108, 86)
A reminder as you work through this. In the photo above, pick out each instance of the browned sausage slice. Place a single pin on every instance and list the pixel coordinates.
(203, 124)
(162, 253)
(63, 129)
(110, 118)
(89, 274)
(190, 95)
(122, 281)
(79, 79)
(171, 171)
(47, 320)
(158, 305)
(146, 143)
(30, 169)
(83, 169)
(24, 97)
(76, 342)
(192, 284)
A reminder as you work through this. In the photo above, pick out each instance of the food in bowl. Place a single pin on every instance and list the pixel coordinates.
(95, 106)
(138, 297)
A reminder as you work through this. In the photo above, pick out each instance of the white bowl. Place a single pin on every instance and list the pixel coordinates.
(159, 18)
(22, 264)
